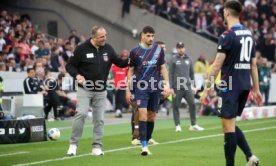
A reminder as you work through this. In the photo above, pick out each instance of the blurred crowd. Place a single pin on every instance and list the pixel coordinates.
(23, 48)
(22, 45)
(206, 18)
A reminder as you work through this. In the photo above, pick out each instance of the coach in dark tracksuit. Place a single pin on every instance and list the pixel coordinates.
(181, 71)
(90, 66)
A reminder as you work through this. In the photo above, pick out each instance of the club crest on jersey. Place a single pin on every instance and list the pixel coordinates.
(105, 58)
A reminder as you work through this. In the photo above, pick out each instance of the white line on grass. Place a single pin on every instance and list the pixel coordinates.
(133, 147)
(247, 124)
(12, 154)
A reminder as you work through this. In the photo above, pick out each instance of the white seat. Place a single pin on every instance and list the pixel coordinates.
(32, 105)
(32, 100)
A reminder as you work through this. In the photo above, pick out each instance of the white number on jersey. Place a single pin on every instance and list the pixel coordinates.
(246, 49)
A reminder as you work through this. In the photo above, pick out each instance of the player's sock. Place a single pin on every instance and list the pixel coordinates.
(242, 143)
(143, 133)
(144, 143)
(150, 127)
(230, 145)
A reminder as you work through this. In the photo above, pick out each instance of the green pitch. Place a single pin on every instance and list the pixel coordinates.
(186, 148)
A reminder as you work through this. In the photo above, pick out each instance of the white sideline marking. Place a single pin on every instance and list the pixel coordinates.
(247, 124)
(11, 154)
(134, 147)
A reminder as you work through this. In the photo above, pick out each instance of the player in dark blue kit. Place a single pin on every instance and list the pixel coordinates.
(236, 60)
(146, 65)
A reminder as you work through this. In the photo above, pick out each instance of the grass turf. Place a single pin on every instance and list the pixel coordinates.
(186, 148)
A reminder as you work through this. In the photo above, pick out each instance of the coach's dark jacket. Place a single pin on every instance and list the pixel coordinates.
(94, 64)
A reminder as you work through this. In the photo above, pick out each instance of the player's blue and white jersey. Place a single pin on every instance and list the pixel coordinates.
(147, 63)
(238, 45)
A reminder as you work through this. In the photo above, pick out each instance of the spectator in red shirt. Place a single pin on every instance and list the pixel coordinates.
(120, 75)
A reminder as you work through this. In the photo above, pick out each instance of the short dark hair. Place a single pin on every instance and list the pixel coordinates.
(41, 42)
(235, 6)
(29, 69)
(180, 45)
(148, 29)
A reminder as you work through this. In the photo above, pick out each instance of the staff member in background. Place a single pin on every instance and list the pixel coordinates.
(31, 85)
(264, 79)
(182, 67)
(90, 66)
(120, 75)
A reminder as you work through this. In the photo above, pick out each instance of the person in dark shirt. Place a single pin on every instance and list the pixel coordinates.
(52, 98)
(126, 7)
(90, 67)
(56, 60)
(73, 37)
(31, 85)
(236, 60)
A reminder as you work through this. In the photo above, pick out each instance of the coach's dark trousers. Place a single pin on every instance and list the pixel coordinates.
(189, 97)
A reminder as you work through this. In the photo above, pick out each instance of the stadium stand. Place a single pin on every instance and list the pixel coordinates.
(206, 18)
(22, 47)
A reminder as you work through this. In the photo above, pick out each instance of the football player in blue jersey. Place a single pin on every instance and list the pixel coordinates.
(146, 65)
(236, 60)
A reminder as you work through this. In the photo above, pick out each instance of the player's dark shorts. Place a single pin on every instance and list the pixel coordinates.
(233, 103)
(147, 99)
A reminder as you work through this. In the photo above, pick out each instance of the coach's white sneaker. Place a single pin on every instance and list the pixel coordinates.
(145, 151)
(196, 128)
(136, 142)
(178, 128)
(72, 151)
(253, 161)
(97, 152)
(153, 142)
